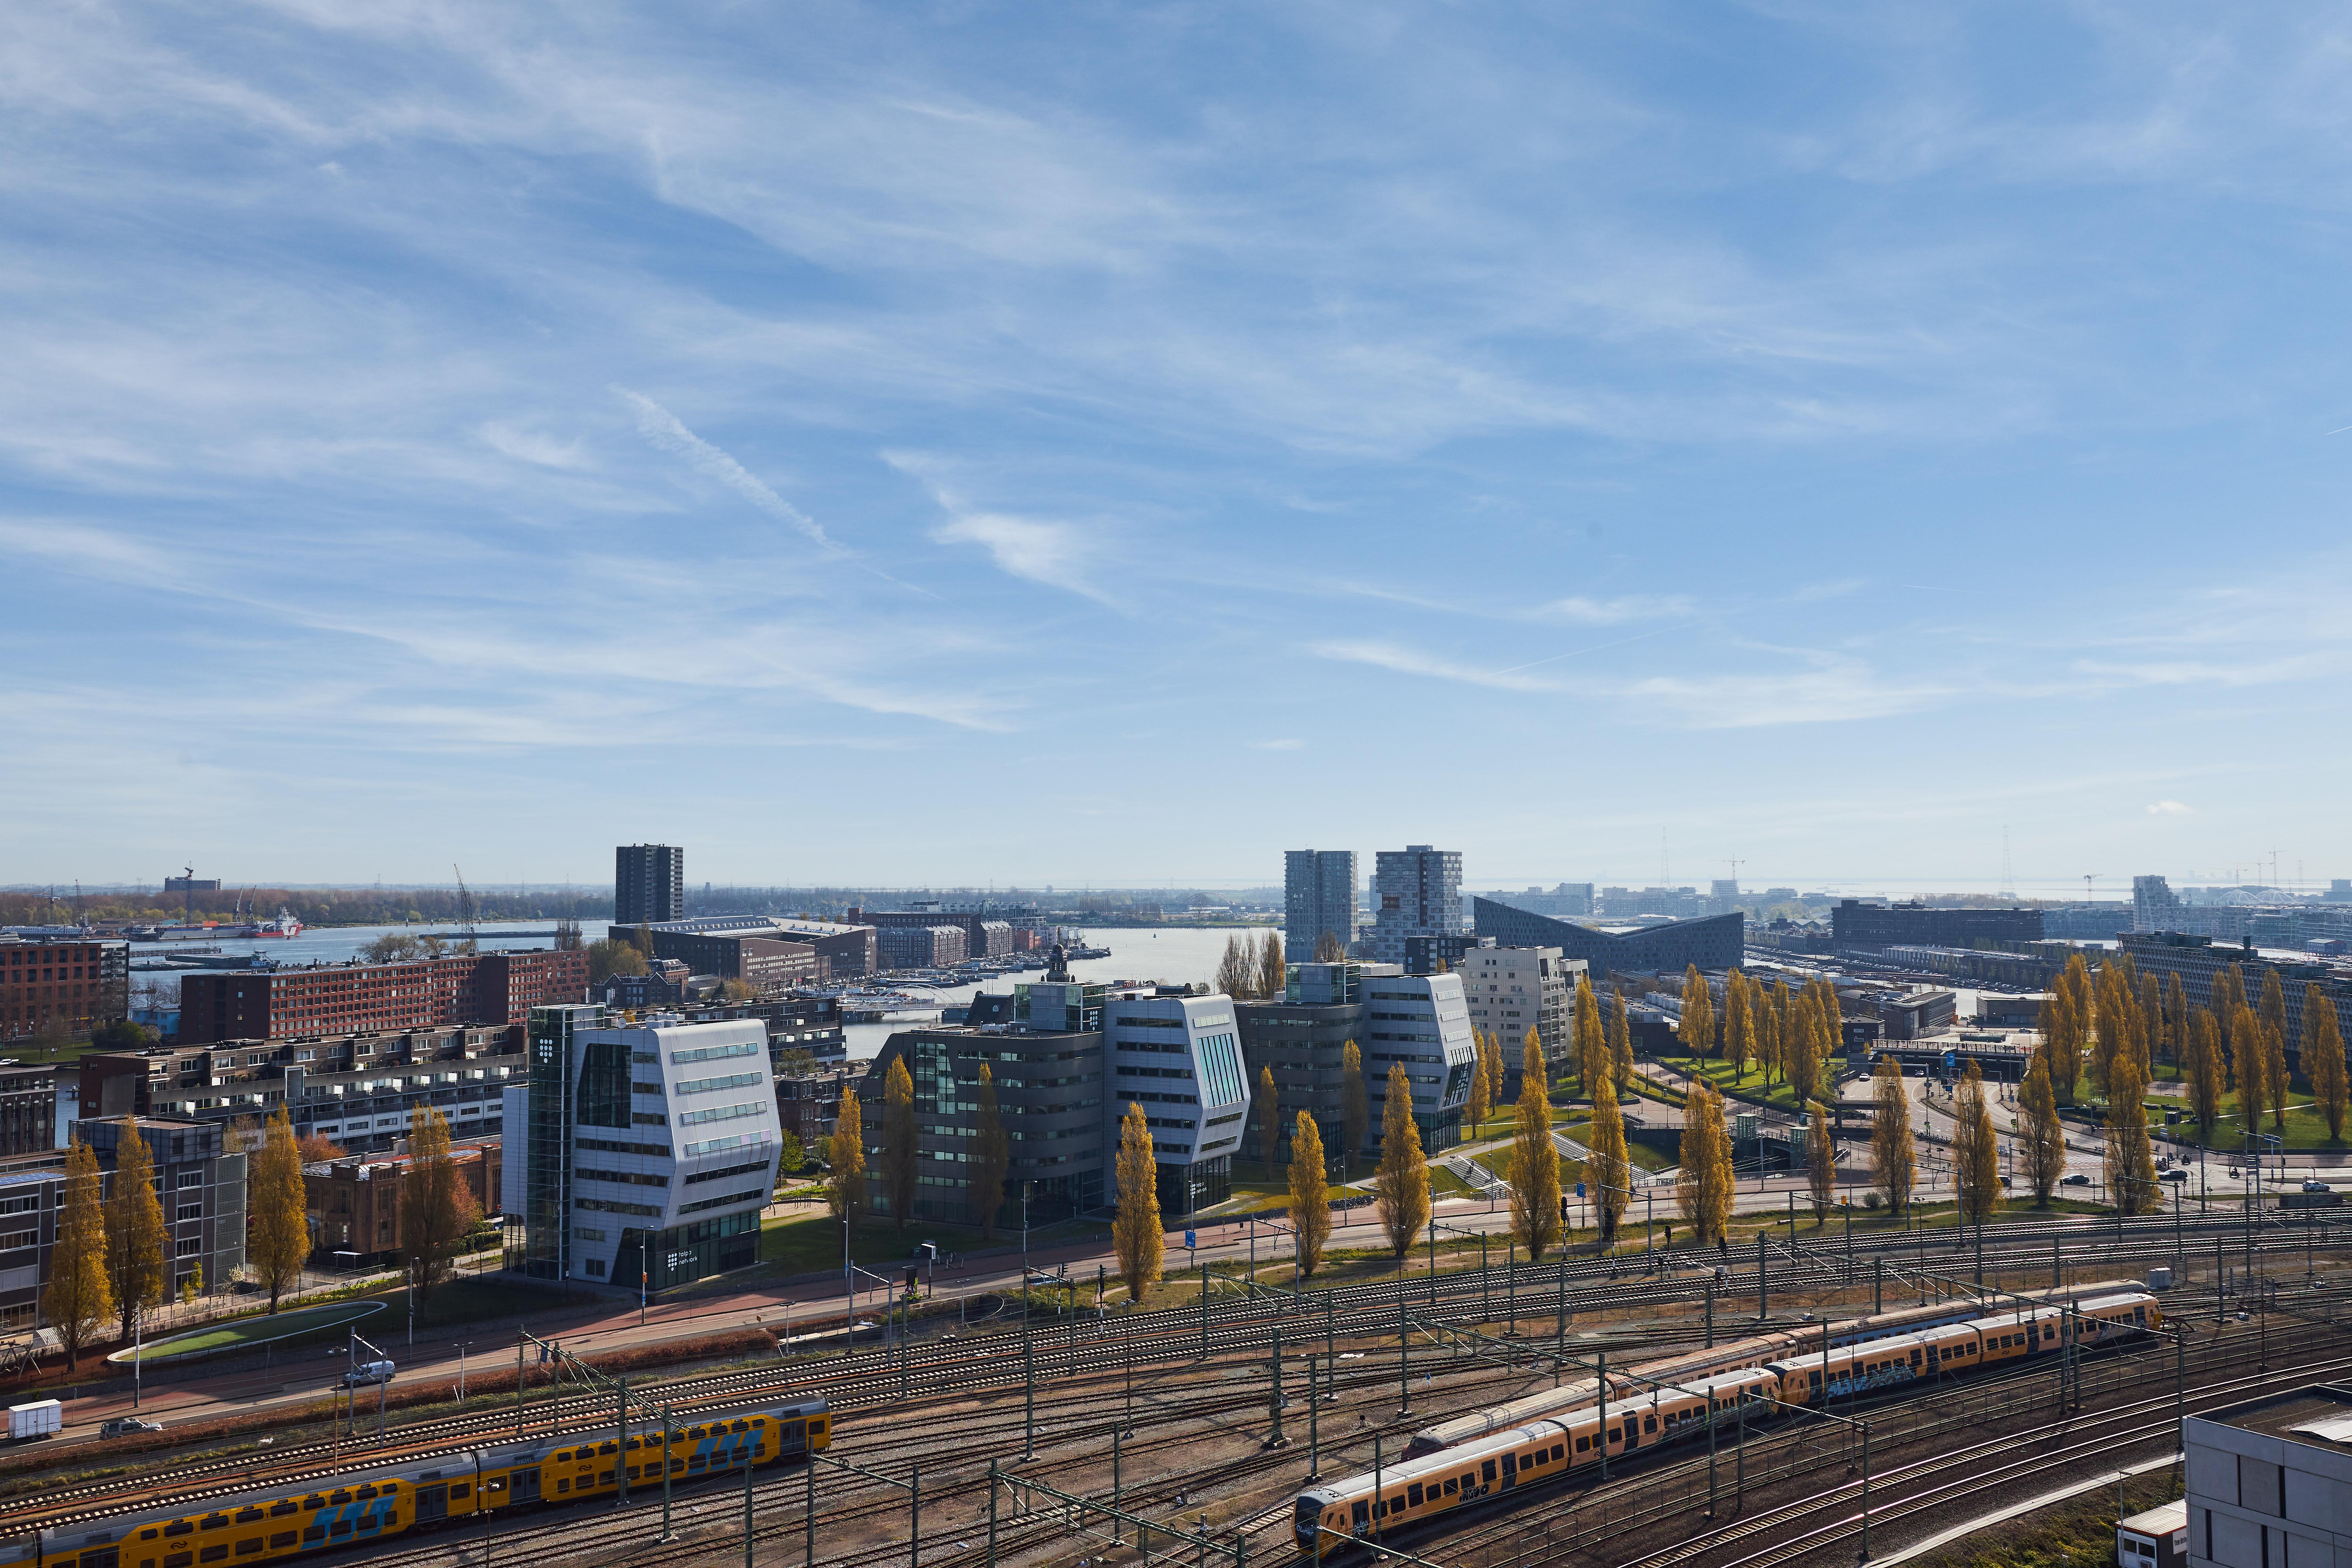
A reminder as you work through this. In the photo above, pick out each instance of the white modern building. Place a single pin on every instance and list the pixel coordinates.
(1178, 1058)
(1423, 1022)
(2269, 1482)
(1416, 891)
(1510, 990)
(645, 1152)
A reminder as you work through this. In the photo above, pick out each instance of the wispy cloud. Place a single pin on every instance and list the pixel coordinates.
(1412, 661)
(1039, 550)
(2168, 808)
(1615, 611)
(665, 430)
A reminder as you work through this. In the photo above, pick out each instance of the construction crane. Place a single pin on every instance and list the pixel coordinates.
(466, 910)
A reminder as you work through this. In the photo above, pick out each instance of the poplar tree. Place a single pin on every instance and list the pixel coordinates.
(1606, 1166)
(1621, 1049)
(2176, 1025)
(1497, 1073)
(278, 1210)
(2323, 1058)
(437, 1210)
(1703, 1189)
(1135, 1232)
(1481, 1097)
(2202, 1066)
(2042, 1134)
(1401, 1188)
(1800, 1050)
(2153, 1040)
(2225, 995)
(79, 1295)
(1269, 1119)
(2065, 1017)
(2250, 1067)
(1592, 1037)
(1273, 975)
(2274, 1046)
(1894, 1159)
(2131, 1163)
(1832, 1036)
(1535, 1161)
(136, 1241)
(1355, 1106)
(1697, 1027)
(899, 1145)
(1739, 1023)
(1237, 972)
(992, 1155)
(1310, 1201)
(1976, 1151)
(844, 1157)
(1329, 949)
(1533, 1040)
(1821, 1164)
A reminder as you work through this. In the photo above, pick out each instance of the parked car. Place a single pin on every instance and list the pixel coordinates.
(2076, 1180)
(2173, 1176)
(2316, 1186)
(123, 1425)
(367, 1373)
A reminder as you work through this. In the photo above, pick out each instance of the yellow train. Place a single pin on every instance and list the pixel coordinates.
(1654, 1412)
(266, 1525)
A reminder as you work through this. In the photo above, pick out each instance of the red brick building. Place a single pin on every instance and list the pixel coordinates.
(354, 1204)
(61, 980)
(348, 998)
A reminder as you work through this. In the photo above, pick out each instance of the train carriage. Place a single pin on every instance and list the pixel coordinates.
(269, 1524)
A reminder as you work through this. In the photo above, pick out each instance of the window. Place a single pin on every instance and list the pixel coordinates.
(189, 1211)
(193, 1248)
(190, 1179)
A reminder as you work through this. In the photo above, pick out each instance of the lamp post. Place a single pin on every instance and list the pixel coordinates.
(461, 1347)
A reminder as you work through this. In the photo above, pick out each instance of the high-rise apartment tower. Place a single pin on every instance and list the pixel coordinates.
(1319, 895)
(649, 883)
(1416, 891)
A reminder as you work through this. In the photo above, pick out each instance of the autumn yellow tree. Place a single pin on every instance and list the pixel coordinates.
(1976, 1149)
(137, 1255)
(1800, 1050)
(1135, 1233)
(1400, 1187)
(1607, 1168)
(1621, 1049)
(2273, 1016)
(1497, 1071)
(1739, 1023)
(81, 1294)
(1481, 1096)
(2250, 1066)
(1310, 1201)
(2202, 1066)
(1767, 1015)
(1894, 1159)
(277, 1210)
(2131, 1163)
(1355, 1106)
(1535, 1162)
(2040, 1134)
(1591, 1035)
(2323, 1058)
(899, 1147)
(992, 1154)
(1695, 1028)
(1703, 1189)
(2176, 1025)
(437, 1209)
(844, 1154)
(1832, 1026)
(1820, 1163)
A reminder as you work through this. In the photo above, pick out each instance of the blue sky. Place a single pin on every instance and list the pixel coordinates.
(955, 442)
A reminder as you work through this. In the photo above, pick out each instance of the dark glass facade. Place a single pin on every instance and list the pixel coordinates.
(547, 1138)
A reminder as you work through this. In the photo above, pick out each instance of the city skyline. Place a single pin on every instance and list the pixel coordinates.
(493, 437)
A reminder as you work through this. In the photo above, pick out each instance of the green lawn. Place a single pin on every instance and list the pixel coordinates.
(2305, 1130)
(1749, 1085)
(255, 1331)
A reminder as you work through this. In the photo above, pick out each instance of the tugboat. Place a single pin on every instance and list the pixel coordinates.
(284, 926)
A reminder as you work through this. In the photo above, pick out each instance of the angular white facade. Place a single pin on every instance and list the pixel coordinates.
(1422, 1023)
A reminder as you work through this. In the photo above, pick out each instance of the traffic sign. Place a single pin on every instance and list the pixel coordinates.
(1191, 1241)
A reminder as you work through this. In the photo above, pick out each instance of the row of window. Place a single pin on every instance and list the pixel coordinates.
(723, 1202)
(743, 1169)
(608, 1205)
(607, 1146)
(732, 1081)
(724, 1113)
(712, 1053)
(631, 1178)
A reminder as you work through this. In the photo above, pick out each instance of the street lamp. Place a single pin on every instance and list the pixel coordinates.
(461, 1349)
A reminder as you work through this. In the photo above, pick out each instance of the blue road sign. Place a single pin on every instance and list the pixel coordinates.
(1191, 1241)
